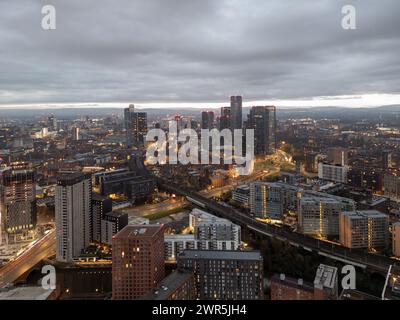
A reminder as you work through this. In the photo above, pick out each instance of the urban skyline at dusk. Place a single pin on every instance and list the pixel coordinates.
(188, 158)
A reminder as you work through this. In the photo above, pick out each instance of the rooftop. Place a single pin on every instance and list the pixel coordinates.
(139, 231)
(168, 286)
(25, 293)
(292, 282)
(221, 255)
(362, 214)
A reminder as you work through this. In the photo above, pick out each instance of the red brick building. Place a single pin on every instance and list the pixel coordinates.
(138, 261)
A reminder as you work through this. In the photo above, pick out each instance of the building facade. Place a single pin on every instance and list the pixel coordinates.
(73, 210)
(17, 201)
(138, 261)
(262, 119)
(331, 172)
(225, 275)
(363, 229)
(135, 126)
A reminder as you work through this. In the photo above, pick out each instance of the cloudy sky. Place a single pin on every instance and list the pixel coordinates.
(199, 52)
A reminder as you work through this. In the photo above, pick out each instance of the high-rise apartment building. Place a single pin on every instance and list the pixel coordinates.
(363, 229)
(208, 233)
(391, 185)
(335, 173)
(236, 112)
(73, 211)
(138, 261)
(100, 206)
(319, 216)
(266, 200)
(225, 275)
(135, 126)
(17, 200)
(262, 119)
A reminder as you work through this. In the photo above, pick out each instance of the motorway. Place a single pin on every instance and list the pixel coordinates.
(334, 251)
(42, 249)
(172, 204)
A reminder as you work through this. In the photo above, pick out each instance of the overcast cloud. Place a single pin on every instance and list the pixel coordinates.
(196, 50)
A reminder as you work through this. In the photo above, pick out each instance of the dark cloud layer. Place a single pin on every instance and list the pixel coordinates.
(196, 51)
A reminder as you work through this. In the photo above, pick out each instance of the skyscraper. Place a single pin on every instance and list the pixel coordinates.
(135, 125)
(387, 159)
(73, 214)
(225, 118)
(236, 112)
(262, 119)
(17, 200)
(138, 261)
(207, 119)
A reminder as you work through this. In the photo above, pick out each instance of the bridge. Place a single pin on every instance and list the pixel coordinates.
(356, 257)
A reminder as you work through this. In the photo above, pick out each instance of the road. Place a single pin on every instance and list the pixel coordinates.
(335, 251)
(42, 249)
(172, 204)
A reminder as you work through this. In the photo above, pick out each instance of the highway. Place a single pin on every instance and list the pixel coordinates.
(42, 249)
(172, 204)
(335, 251)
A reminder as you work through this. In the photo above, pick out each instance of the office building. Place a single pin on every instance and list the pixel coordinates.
(363, 229)
(225, 118)
(76, 133)
(138, 261)
(236, 112)
(73, 210)
(135, 126)
(207, 120)
(241, 195)
(126, 183)
(334, 173)
(17, 201)
(391, 185)
(176, 286)
(225, 275)
(262, 119)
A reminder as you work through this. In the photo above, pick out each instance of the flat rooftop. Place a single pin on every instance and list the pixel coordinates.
(362, 214)
(292, 282)
(168, 285)
(221, 255)
(25, 293)
(140, 231)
